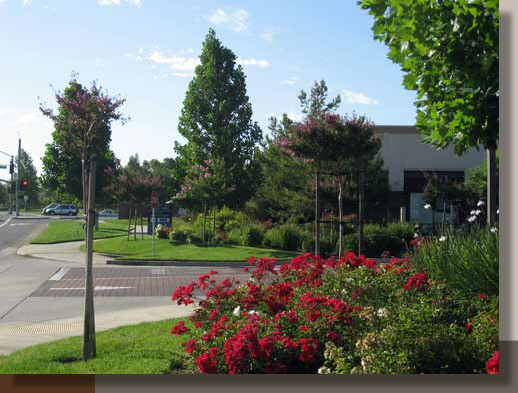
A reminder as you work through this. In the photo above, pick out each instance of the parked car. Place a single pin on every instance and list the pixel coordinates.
(67, 210)
(49, 206)
(108, 213)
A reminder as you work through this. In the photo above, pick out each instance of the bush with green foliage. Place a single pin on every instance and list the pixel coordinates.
(250, 235)
(285, 237)
(392, 239)
(179, 235)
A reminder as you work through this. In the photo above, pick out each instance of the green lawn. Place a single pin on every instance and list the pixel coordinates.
(66, 231)
(146, 348)
(165, 250)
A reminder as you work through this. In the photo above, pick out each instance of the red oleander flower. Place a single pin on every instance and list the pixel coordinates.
(482, 296)
(179, 328)
(493, 364)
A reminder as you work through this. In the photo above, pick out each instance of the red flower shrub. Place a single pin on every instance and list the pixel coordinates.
(179, 328)
(418, 281)
(208, 362)
(493, 364)
(283, 319)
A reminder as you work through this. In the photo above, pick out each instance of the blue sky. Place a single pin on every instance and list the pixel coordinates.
(146, 50)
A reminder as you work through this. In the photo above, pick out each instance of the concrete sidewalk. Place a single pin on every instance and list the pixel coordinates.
(62, 252)
(16, 335)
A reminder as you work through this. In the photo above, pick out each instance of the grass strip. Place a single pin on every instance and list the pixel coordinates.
(146, 348)
(177, 251)
(67, 231)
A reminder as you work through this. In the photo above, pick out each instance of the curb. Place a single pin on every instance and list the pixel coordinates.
(186, 263)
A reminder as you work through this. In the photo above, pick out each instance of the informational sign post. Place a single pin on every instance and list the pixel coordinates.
(154, 204)
(26, 199)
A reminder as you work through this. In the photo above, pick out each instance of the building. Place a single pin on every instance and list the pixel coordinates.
(407, 159)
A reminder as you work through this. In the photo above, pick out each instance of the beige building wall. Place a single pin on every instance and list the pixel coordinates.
(402, 150)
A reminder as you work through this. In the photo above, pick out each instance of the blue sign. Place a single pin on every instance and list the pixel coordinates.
(163, 216)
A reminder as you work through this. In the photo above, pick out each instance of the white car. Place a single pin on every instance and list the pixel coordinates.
(108, 213)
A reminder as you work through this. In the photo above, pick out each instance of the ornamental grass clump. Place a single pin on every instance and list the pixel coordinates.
(467, 259)
(346, 315)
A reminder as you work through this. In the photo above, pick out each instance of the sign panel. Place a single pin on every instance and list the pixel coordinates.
(154, 199)
(163, 216)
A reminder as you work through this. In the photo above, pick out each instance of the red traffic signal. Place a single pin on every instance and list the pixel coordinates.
(24, 184)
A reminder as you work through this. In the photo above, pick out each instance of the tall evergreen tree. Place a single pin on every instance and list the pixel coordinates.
(216, 120)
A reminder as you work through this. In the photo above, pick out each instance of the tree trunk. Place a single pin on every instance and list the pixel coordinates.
(361, 211)
(204, 218)
(89, 350)
(491, 187)
(340, 230)
(129, 223)
(317, 213)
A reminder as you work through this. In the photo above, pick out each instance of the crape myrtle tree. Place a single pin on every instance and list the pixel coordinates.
(448, 51)
(216, 121)
(205, 189)
(339, 145)
(84, 118)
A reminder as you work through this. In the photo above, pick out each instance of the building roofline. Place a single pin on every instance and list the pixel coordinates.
(396, 129)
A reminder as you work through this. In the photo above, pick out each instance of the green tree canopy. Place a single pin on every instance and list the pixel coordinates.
(216, 120)
(30, 174)
(82, 126)
(448, 51)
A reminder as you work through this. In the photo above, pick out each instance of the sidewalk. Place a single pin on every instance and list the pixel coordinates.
(16, 335)
(62, 252)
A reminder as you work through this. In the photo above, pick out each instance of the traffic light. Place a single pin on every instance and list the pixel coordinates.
(11, 167)
(23, 185)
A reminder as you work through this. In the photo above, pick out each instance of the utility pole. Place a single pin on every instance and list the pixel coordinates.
(317, 213)
(361, 209)
(491, 187)
(11, 170)
(18, 176)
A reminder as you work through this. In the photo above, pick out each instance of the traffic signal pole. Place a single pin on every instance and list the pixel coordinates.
(18, 176)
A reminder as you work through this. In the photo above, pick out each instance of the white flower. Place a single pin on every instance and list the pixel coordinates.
(472, 218)
(472, 212)
(442, 238)
(427, 206)
(382, 312)
(480, 203)
(497, 211)
(236, 311)
(252, 312)
(477, 212)
(416, 235)
(494, 229)
(324, 370)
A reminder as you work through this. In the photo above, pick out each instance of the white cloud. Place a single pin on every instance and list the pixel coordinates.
(136, 3)
(289, 81)
(253, 62)
(27, 3)
(295, 116)
(357, 98)
(267, 34)
(237, 20)
(34, 118)
(176, 63)
(184, 74)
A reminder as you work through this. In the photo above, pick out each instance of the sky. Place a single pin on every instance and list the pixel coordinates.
(146, 50)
